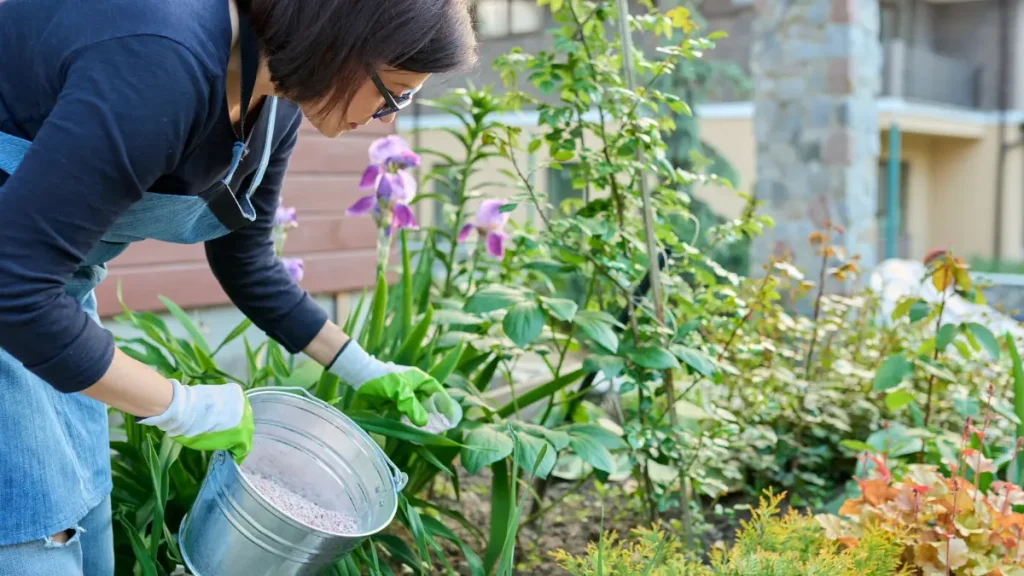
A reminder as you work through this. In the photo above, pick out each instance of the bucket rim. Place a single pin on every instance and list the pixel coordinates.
(398, 478)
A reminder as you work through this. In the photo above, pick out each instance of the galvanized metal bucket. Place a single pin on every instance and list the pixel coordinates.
(232, 530)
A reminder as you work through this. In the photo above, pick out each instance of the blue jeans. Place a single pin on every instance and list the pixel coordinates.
(89, 551)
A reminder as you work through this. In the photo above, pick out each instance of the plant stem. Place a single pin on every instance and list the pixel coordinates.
(473, 265)
(539, 513)
(935, 356)
(817, 312)
(657, 292)
(744, 320)
(598, 266)
(459, 211)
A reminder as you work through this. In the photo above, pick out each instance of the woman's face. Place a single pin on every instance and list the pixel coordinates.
(366, 101)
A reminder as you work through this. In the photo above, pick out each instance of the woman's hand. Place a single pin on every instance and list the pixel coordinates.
(413, 392)
(203, 417)
(208, 417)
(421, 399)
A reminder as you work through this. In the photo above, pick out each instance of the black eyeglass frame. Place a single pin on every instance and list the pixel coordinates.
(391, 104)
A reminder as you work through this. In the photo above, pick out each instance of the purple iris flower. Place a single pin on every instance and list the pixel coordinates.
(490, 222)
(394, 188)
(295, 266)
(284, 217)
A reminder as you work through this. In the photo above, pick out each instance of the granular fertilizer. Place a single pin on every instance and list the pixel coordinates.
(301, 509)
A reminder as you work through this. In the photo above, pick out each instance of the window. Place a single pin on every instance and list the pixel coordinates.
(498, 18)
(901, 230)
(888, 22)
(560, 186)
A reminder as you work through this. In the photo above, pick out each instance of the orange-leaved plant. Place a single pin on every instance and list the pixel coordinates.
(951, 522)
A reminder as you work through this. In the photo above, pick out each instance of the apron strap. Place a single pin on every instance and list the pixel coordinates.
(12, 150)
(249, 48)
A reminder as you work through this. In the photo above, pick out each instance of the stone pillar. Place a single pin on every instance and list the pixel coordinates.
(817, 68)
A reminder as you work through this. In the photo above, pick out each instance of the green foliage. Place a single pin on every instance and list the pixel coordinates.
(717, 387)
(769, 544)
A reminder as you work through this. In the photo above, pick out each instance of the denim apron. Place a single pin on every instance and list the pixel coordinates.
(54, 447)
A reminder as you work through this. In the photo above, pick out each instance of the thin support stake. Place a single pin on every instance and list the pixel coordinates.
(645, 194)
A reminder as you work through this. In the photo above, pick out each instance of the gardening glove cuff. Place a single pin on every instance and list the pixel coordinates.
(355, 367)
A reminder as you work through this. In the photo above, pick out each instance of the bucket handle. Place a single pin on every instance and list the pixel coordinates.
(398, 478)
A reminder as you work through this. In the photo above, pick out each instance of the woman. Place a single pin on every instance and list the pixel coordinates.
(122, 120)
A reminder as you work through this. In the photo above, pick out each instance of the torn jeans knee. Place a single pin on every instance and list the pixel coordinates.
(76, 533)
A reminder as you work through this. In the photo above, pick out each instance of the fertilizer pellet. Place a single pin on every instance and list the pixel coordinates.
(436, 423)
(300, 508)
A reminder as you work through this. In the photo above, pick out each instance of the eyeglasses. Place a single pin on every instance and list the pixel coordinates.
(392, 104)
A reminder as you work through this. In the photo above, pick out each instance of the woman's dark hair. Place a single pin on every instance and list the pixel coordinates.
(320, 50)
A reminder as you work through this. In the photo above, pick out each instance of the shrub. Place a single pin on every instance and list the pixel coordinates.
(953, 518)
(769, 544)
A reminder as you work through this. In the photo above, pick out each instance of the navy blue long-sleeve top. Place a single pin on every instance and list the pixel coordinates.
(119, 97)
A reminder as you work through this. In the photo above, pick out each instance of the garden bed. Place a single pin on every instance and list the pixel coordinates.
(578, 514)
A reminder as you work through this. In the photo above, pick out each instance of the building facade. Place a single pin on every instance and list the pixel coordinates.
(950, 85)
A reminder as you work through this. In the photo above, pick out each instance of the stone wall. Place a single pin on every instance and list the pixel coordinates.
(816, 68)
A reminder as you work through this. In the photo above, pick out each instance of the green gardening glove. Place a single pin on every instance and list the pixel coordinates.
(208, 417)
(415, 394)
(412, 392)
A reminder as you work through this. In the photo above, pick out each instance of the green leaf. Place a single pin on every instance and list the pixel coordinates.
(327, 387)
(493, 298)
(503, 492)
(697, 360)
(610, 366)
(653, 358)
(933, 368)
(146, 563)
(918, 310)
(399, 550)
(414, 522)
(986, 338)
(690, 411)
(535, 145)
(507, 207)
(595, 325)
(485, 445)
(435, 528)
(457, 317)
(305, 375)
(414, 343)
(446, 365)
(524, 323)
(1018, 394)
(592, 452)
(238, 331)
(857, 445)
(186, 323)
(539, 393)
(898, 399)
(892, 372)
(603, 436)
(1004, 408)
(560, 308)
(903, 308)
(557, 438)
(377, 424)
(430, 458)
(379, 307)
(564, 155)
(530, 449)
(152, 356)
(407, 306)
(945, 335)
